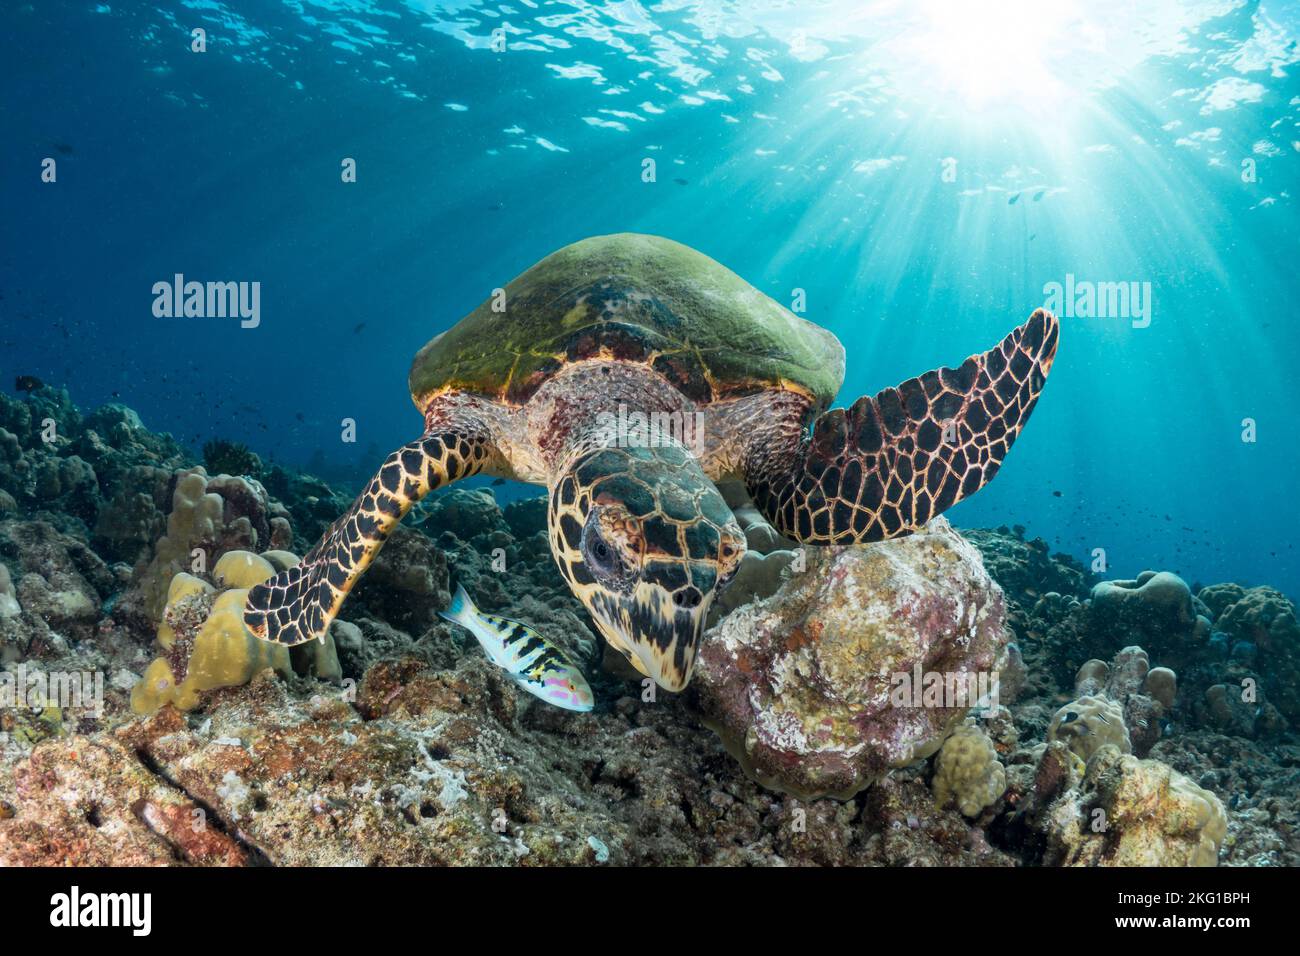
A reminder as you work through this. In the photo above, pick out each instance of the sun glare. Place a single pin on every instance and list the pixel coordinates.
(992, 53)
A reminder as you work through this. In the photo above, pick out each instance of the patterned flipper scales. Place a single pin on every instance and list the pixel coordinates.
(297, 605)
(888, 464)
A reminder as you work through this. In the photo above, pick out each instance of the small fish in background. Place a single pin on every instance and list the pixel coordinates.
(27, 383)
(1012, 200)
(1039, 195)
(358, 327)
(524, 654)
(681, 182)
(498, 482)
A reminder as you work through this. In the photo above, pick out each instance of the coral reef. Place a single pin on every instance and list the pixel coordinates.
(208, 517)
(1156, 610)
(1143, 696)
(205, 645)
(208, 647)
(396, 741)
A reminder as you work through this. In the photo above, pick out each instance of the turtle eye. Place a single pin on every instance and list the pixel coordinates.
(607, 559)
(599, 554)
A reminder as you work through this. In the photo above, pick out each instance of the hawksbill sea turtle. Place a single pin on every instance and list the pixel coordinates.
(636, 522)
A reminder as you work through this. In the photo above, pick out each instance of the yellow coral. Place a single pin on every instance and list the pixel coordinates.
(967, 772)
(225, 654)
(281, 560)
(156, 688)
(242, 569)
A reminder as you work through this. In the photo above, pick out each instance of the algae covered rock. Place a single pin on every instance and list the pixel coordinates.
(57, 579)
(101, 805)
(9, 606)
(467, 513)
(817, 690)
(407, 584)
(967, 772)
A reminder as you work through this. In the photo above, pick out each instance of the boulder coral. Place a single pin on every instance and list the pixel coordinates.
(1263, 620)
(205, 646)
(1156, 608)
(808, 688)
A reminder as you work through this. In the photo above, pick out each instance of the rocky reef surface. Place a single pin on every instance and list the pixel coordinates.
(952, 698)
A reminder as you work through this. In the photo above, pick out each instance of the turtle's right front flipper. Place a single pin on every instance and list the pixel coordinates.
(297, 605)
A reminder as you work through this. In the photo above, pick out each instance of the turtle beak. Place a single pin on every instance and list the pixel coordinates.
(658, 635)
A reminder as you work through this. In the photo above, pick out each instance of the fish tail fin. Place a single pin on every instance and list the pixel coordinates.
(461, 610)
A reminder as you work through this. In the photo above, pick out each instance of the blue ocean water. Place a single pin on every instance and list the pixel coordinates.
(918, 174)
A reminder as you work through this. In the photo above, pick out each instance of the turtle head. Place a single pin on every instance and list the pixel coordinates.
(645, 541)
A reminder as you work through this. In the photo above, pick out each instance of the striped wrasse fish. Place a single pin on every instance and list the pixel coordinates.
(524, 654)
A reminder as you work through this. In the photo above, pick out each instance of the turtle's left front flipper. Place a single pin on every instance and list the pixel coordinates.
(889, 464)
(297, 605)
